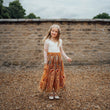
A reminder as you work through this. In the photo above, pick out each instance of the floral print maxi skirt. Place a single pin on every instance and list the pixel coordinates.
(53, 77)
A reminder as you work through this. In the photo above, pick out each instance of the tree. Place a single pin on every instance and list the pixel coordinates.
(1, 8)
(5, 12)
(102, 16)
(16, 10)
(32, 16)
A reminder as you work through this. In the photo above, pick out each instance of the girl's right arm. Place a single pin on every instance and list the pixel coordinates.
(45, 51)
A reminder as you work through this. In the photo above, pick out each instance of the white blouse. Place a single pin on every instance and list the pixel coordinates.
(51, 46)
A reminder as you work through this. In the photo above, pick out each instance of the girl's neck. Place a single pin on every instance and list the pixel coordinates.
(53, 39)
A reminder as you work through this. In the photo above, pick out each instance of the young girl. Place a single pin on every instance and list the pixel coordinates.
(53, 77)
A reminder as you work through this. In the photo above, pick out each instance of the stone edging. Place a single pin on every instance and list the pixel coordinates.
(52, 20)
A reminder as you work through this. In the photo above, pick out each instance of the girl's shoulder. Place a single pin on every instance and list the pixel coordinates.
(60, 40)
(47, 40)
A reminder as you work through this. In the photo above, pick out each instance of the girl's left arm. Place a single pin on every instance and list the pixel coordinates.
(62, 52)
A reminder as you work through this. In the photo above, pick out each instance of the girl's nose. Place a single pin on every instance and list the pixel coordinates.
(53, 32)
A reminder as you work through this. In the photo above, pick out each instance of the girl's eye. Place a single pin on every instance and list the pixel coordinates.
(54, 31)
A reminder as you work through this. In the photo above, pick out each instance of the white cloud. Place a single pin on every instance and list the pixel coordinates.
(65, 8)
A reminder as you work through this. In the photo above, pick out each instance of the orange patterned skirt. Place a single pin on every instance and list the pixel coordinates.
(53, 77)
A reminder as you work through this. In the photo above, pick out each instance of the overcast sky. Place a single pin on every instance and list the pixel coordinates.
(78, 9)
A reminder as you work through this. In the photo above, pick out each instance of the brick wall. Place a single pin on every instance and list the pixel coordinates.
(21, 41)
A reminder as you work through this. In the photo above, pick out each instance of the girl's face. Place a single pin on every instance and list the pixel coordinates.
(54, 32)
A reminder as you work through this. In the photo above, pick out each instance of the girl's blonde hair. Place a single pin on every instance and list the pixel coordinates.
(49, 33)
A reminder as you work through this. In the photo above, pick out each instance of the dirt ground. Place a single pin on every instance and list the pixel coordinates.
(87, 88)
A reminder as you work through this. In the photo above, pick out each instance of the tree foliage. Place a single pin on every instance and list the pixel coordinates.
(5, 11)
(32, 16)
(102, 16)
(15, 10)
(1, 8)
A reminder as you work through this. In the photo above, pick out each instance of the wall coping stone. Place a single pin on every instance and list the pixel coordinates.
(52, 20)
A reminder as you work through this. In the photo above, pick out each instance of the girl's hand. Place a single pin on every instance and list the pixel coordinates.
(45, 66)
(69, 59)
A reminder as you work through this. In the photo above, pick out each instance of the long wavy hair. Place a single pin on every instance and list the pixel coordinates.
(48, 36)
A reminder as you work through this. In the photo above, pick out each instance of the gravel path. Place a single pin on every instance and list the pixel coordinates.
(87, 88)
